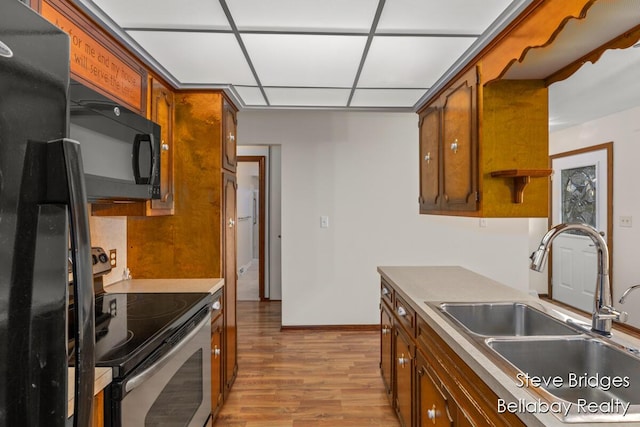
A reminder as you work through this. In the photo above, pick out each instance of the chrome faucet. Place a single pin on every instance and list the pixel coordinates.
(603, 311)
(625, 293)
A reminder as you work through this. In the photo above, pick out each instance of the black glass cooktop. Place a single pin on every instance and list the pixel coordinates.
(129, 327)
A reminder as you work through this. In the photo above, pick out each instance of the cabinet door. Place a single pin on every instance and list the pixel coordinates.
(459, 146)
(386, 349)
(162, 113)
(230, 279)
(433, 407)
(217, 386)
(404, 377)
(229, 156)
(430, 160)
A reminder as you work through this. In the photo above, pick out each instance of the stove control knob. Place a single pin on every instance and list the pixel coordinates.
(103, 257)
(94, 259)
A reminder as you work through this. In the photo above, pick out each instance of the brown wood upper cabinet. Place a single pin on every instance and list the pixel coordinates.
(448, 150)
(473, 130)
(229, 141)
(162, 113)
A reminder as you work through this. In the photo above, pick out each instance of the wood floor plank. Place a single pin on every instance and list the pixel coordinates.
(304, 378)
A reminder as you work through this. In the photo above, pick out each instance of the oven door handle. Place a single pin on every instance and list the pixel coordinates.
(137, 380)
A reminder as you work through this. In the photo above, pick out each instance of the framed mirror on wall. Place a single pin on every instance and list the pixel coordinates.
(581, 191)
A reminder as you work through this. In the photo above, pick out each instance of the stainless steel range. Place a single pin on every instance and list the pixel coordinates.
(158, 345)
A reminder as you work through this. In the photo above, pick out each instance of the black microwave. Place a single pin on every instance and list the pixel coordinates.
(120, 148)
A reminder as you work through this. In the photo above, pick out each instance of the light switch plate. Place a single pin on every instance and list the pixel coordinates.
(324, 222)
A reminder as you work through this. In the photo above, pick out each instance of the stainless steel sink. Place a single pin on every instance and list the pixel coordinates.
(505, 319)
(580, 376)
(582, 370)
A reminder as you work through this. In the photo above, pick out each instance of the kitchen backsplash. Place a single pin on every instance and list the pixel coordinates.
(111, 233)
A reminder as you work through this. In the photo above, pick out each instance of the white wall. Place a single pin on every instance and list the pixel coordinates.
(361, 170)
(624, 130)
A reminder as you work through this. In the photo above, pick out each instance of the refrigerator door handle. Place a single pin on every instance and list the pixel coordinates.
(84, 301)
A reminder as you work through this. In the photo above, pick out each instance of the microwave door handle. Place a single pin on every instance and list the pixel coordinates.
(67, 152)
(137, 146)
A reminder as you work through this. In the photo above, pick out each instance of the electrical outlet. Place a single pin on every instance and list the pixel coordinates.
(626, 221)
(113, 308)
(113, 258)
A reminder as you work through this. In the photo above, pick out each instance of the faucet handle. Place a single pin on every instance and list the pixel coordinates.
(623, 317)
(609, 313)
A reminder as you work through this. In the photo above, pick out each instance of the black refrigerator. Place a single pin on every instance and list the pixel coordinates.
(43, 228)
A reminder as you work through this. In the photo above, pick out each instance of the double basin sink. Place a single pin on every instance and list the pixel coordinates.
(570, 372)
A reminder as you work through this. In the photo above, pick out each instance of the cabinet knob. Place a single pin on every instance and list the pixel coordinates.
(215, 352)
(432, 414)
(403, 361)
(401, 311)
(231, 223)
(427, 158)
(454, 146)
(165, 146)
(232, 137)
(385, 291)
(216, 305)
(385, 330)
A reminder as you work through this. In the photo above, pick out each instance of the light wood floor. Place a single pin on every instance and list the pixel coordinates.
(304, 378)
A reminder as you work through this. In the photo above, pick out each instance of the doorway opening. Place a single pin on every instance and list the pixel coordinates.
(251, 205)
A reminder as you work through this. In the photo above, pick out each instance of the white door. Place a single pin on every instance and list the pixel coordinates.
(579, 194)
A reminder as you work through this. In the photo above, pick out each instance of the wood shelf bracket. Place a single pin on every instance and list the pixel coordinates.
(521, 178)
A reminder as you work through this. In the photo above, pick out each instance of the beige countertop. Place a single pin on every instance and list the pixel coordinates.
(210, 285)
(418, 285)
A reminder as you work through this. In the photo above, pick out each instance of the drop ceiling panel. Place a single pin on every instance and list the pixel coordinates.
(440, 17)
(386, 97)
(410, 62)
(308, 15)
(308, 97)
(305, 60)
(250, 95)
(201, 58)
(199, 14)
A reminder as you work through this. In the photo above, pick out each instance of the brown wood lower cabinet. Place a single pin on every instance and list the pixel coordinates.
(386, 349)
(430, 384)
(217, 384)
(433, 407)
(404, 363)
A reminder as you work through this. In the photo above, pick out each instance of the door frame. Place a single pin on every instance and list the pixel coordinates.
(262, 203)
(608, 147)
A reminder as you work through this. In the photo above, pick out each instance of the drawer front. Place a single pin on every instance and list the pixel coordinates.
(406, 315)
(386, 292)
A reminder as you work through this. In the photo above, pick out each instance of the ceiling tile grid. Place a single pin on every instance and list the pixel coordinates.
(305, 53)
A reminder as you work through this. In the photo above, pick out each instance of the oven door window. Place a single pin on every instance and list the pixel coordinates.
(180, 399)
(175, 391)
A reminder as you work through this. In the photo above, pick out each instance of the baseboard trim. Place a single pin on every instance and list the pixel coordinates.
(351, 328)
